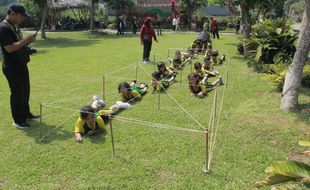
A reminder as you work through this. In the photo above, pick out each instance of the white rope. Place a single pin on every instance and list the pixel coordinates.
(156, 125)
(199, 124)
(122, 68)
(57, 127)
(211, 124)
(219, 116)
(79, 87)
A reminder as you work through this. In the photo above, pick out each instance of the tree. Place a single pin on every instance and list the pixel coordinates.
(191, 5)
(40, 6)
(246, 7)
(119, 5)
(6, 2)
(92, 14)
(291, 86)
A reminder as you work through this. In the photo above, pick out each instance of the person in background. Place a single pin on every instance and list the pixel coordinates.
(215, 27)
(134, 25)
(237, 26)
(206, 24)
(120, 26)
(147, 34)
(158, 25)
(16, 53)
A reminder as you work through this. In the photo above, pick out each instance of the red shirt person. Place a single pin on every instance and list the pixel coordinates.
(215, 27)
(147, 34)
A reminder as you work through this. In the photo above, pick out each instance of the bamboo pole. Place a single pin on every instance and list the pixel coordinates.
(181, 76)
(112, 138)
(215, 102)
(136, 71)
(206, 169)
(191, 66)
(41, 118)
(158, 106)
(103, 87)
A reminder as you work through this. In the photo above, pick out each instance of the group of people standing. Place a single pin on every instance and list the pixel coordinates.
(212, 26)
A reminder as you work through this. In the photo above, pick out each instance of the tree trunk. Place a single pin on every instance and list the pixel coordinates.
(245, 11)
(92, 15)
(43, 23)
(291, 86)
(189, 18)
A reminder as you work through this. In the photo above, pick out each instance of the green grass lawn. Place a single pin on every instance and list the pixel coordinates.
(68, 70)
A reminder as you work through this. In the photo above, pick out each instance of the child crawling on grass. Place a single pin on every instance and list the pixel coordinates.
(131, 92)
(89, 123)
(201, 88)
(93, 117)
(164, 77)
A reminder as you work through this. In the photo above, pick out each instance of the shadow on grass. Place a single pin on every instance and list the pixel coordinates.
(99, 138)
(44, 133)
(92, 38)
(64, 42)
(103, 35)
(304, 112)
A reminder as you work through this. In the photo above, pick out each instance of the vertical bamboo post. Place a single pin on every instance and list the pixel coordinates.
(206, 169)
(181, 76)
(191, 66)
(137, 71)
(215, 102)
(168, 53)
(112, 137)
(154, 59)
(158, 106)
(41, 118)
(103, 87)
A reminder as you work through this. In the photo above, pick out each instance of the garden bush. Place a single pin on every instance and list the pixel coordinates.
(112, 26)
(272, 45)
(240, 48)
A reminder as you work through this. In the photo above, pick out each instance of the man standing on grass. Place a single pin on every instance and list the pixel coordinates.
(215, 28)
(16, 56)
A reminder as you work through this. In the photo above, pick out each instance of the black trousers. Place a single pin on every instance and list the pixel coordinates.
(147, 46)
(215, 32)
(18, 79)
(134, 30)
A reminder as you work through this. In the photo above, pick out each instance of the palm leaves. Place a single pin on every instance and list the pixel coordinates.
(272, 44)
(285, 171)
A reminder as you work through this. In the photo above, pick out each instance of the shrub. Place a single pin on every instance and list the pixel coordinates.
(273, 45)
(112, 26)
(276, 75)
(259, 66)
(240, 48)
(230, 25)
(305, 80)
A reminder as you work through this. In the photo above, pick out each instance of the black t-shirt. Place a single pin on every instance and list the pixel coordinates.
(8, 37)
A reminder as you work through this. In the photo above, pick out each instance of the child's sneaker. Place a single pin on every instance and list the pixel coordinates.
(143, 85)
